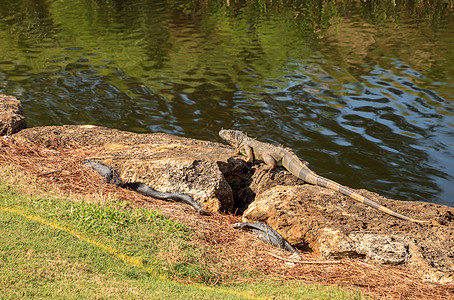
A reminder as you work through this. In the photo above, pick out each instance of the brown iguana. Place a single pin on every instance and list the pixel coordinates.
(278, 156)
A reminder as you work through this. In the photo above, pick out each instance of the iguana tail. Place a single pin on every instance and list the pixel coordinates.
(306, 174)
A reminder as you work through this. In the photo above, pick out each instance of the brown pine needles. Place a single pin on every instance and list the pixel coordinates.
(231, 255)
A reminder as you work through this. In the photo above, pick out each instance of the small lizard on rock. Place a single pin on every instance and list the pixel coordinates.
(278, 156)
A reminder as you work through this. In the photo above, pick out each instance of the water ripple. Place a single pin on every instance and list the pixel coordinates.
(369, 105)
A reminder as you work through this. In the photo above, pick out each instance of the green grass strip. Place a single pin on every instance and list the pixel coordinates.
(127, 259)
(53, 247)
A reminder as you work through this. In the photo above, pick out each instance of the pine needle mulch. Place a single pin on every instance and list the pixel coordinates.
(234, 256)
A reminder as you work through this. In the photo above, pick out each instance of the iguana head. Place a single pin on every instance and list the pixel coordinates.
(234, 137)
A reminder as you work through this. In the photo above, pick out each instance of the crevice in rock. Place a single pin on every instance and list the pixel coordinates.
(238, 175)
(242, 178)
(303, 247)
(310, 217)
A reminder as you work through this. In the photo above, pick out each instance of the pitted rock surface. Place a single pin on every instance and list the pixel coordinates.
(165, 162)
(11, 115)
(311, 218)
(335, 226)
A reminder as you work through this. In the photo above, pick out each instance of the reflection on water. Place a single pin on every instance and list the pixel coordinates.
(363, 91)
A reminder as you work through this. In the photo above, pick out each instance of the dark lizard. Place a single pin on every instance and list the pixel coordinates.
(113, 177)
(278, 156)
(267, 234)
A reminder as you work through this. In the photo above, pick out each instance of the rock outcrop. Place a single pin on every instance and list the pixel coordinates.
(326, 222)
(165, 162)
(11, 115)
(309, 217)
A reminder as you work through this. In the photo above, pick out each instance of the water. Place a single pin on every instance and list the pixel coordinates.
(363, 90)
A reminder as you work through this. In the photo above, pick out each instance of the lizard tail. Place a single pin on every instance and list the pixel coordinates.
(309, 176)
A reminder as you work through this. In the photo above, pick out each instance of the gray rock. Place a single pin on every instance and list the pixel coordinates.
(11, 115)
(383, 248)
(164, 162)
(310, 218)
(334, 226)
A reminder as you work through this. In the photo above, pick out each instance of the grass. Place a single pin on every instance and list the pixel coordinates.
(55, 247)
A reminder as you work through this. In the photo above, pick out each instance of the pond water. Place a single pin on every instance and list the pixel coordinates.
(363, 90)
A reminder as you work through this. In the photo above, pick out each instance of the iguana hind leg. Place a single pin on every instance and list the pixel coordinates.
(270, 165)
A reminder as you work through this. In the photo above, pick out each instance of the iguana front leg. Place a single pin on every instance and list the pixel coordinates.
(270, 165)
(249, 154)
(245, 151)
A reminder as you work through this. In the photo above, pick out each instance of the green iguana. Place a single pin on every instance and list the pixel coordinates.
(278, 156)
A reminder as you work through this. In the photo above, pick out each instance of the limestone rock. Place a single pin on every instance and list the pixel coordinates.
(165, 162)
(309, 217)
(383, 248)
(335, 226)
(11, 115)
(200, 178)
